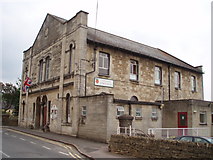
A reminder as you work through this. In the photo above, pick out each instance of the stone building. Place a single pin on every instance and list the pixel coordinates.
(84, 78)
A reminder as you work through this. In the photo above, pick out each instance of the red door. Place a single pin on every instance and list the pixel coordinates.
(182, 123)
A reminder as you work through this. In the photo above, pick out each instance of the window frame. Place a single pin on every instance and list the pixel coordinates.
(177, 79)
(40, 74)
(134, 70)
(158, 77)
(204, 118)
(47, 68)
(84, 111)
(138, 110)
(104, 63)
(119, 110)
(193, 84)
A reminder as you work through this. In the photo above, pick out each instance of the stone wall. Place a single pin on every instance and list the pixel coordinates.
(142, 147)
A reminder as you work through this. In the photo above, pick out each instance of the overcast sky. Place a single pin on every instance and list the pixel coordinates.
(180, 27)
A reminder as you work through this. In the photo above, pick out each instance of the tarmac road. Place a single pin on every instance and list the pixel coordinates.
(16, 144)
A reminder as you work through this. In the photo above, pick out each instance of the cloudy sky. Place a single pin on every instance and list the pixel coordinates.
(179, 27)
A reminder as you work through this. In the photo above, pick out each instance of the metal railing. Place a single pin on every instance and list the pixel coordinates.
(175, 132)
(131, 131)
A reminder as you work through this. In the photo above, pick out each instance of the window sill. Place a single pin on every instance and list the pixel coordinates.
(103, 75)
(134, 81)
(159, 85)
(202, 123)
(138, 118)
(66, 124)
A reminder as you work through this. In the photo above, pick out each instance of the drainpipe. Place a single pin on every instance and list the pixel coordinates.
(94, 67)
(169, 85)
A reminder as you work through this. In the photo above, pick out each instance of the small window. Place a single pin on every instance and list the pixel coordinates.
(138, 112)
(133, 70)
(203, 117)
(154, 115)
(158, 75)
(103, 63)
(177, 80)
(193, 83)
(120, 110)
(84, 111)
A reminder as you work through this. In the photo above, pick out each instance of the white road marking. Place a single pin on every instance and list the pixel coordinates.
(13, 136)
(22, 139)
(5, 154)
(46, 147)
(6, 133)
(77, 156)
(32, 142)
(63, 153)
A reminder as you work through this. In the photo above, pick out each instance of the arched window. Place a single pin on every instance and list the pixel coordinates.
(68, 108)
(23, 109)
(40, 75)
(47, 68)
(70, 58)
(134, 98)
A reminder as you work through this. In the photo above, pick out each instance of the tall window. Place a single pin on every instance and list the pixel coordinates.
(133, 70)
(47, 68)
(33, 112)
(193, 83)
(23, 109)
(68, 108)
(41, 63)
(203, 119)
(177, 80)
(212, 117)
(70, 59)
(103, 63)
(158, 75)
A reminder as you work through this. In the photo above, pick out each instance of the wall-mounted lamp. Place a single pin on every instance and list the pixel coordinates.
(194, 111)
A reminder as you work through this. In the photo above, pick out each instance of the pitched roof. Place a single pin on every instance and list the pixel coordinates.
(62, 20)
(108, 39)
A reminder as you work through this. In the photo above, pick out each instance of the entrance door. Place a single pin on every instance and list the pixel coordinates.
(182, 123)
(38, 113)
(44, 115)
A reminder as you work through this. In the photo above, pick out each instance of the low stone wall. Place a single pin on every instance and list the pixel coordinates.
(9, 121)
(142, 147)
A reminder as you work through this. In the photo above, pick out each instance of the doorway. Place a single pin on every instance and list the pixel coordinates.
(182, 123)
(38, 112)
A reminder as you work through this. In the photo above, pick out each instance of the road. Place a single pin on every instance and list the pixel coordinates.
(21, 145)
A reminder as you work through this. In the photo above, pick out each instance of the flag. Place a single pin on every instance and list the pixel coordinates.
(27, 84)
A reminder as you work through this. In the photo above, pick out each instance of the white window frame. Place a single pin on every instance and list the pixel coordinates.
(204, 118)
(177, 80)
(193, 84)
(84, 111)
(154, 113)
(120, 111)
(158, 75)
(104, 60)
(138, 112)
(133, 70)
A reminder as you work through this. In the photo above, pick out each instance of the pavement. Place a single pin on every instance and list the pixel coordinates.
(89, 148)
